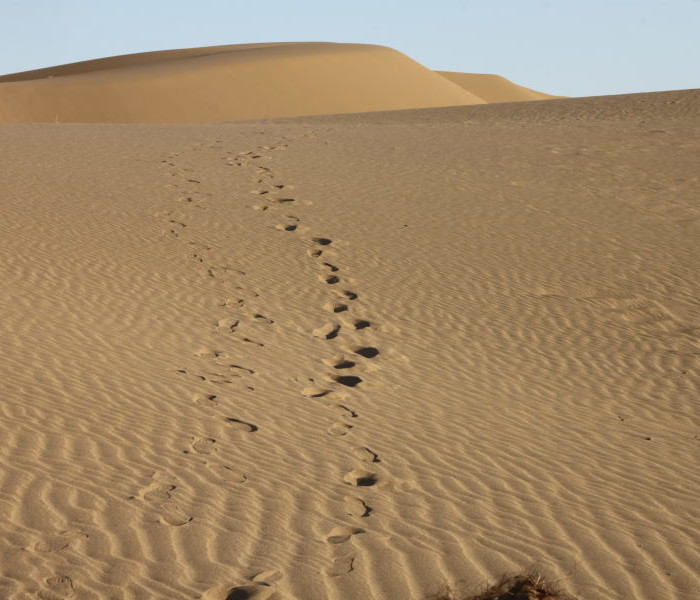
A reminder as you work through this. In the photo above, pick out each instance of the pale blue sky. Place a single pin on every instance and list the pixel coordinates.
(567, 47)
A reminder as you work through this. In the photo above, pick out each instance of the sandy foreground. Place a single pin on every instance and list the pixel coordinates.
(353, 357)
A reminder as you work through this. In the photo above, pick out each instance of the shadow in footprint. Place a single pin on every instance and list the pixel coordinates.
(322, 241)
(350, 295)
(328, 331)
(348, 380)
(332, 280)
(241, 425)
(360, 478)
(345, 364)
(361, 324)
(367, 352)
(336, 307)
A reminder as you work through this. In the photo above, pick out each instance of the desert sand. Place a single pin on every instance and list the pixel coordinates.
(348, 356)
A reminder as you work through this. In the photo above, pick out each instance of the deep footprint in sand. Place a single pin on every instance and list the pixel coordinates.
(240, 425)
(314, 391)
(365, 454)
(322, 241)
(356, 507)
(343, 410)
(328, 331)
(366, 351)
(336, 307)
(348, 380)
(342, 533)
(360, 478)
(238, 592)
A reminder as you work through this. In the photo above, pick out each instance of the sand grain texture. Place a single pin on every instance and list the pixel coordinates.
(505, 371)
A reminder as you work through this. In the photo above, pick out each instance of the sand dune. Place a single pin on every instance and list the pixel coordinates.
(493, 88)
(227, 83)
(353, 357)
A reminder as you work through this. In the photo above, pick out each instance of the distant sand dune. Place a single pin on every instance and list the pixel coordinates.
(227, 83)
(493, 88)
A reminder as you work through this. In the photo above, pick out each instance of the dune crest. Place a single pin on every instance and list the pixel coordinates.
(494, 89)
(226, 83)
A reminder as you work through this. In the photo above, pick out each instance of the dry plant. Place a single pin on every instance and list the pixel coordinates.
(527, 586)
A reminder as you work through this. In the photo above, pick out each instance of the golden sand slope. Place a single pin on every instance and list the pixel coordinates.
(493, 88)
(227, 83)
(353, 357)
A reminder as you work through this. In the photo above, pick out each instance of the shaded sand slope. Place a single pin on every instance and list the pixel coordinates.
(490, 323)
(226, 83)
(493, 88)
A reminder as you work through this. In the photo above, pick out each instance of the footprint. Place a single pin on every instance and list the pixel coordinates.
(227, 325)
(328, 331)
(343, 410)
(228, 473)
(263, 319)
(239, 592)
(190, 375)
(348, 380)
(172, 514)
(322, 241)
(330, 280)
(205, 399)
(350, 295)
(356, 507)
(360, 477)
(344, 364)
(240, 368)
(285, 200)
(314, 391)
(314, 253)
(336, 307)
(366, 351)
(341, 566)
(157, 492)
(61, 586)
(339, 429)
(204, 445)
(207, 353)
(286, 227)
(56, 543)
(240, 425)
(332, 267)
(342, 533)
(361, 324)
(365, 454)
